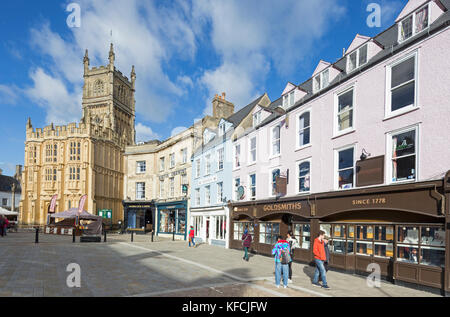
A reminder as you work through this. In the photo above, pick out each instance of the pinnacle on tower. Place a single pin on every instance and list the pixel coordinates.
(86, 62)
(112, 56)
(133, 76)
(29, 125)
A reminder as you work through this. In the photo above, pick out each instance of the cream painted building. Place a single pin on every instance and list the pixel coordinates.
(157, 172)
(84, 158)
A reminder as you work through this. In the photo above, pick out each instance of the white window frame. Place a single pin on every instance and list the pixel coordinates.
(161, 188)
(234, 156)
(297, 142)
(236, 187)
(271, 180)
(289, 99)
(220, 158)
(256, 118)
(142, 197)
(197, 168)
(184, 155)
(139, 167)
(197, 197)
(207, 164)
(222, 129)
(297, 175)
(219, 192)
(358, 53)
(250, 197)
(336, 111)
(172, 187)
(207, 195)
(172, 160)
(272, 141)
(388, 112)
(336, 166)
(388, 160)
(320, 75)
(414, 32)
(162, 164)
(250, 150)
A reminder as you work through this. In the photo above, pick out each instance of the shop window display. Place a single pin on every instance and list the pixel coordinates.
(239, 228)
(302, 233)
(268, 232)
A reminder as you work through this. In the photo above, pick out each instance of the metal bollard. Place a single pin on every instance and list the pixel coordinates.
(173, 236)
(73, 235)
(132, 234)
(37, 235)
(152, 235)
(104, 237)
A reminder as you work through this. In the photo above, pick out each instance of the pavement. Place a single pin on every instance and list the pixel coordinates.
(162, 268)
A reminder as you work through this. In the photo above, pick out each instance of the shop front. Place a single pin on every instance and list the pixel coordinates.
(139, 215)
(402, 230)
(211, 225)
(172, 219)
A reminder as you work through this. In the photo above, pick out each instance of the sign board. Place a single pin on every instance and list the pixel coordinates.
(370, 171)
(281, 185)
(105, 213)
(81, 205)
(240, 192)
(53, 204)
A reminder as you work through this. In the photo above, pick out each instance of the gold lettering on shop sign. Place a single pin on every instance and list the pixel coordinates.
(285, 206)
(240, 209)
(370, 201)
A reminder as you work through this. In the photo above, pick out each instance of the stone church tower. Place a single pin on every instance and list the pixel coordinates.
(84, 158)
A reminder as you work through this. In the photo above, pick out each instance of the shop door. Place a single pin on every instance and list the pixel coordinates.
(131, 219)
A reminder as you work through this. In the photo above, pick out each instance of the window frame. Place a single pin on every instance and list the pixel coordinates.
(250, 150)
(389, 154)
(272, 141)
(197, 168)
(336, 166)
(219, 197)
(237, 158)
(414, 32)
(339, 93)
(139, 167)
(220, 159)
(207, 164)
(250, 187)
(140, 190)
(358, 54)
(297, 143)
(271, 181)
(208, 195)
(297, 167)
(388, 102)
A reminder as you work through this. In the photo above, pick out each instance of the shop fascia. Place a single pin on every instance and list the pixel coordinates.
(173, 174)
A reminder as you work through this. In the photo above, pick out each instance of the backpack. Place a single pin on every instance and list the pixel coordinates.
(285, 257)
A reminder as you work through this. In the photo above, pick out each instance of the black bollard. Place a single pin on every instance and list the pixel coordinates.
(104, 238)
(37, 235)
(73, 235)
(152, 235)
(132, 233)
(173, 236)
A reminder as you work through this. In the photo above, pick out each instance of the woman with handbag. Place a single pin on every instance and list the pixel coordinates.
(246, 243)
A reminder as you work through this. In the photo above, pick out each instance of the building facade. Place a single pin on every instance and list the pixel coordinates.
(158, 179)
(356, 151)
(211, 181)
(84, 158)
(10, 190)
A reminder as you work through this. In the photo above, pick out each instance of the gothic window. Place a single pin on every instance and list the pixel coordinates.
(75, 151)
(99, 88)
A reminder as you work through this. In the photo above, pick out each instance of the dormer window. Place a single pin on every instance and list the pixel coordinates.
(222, 129)
(321, 81)
(256, 118)
(414, 24)
(357, 59)
(288, 100)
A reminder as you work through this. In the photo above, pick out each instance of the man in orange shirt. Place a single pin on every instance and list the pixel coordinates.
(320, 257)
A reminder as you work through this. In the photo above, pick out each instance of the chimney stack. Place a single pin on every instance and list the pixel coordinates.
(221, 107)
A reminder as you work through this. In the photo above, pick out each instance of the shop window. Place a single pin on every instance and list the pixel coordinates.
(341, 241)
(384, 237)
(302, 233)
(404, 156)
(239, 228)
(268, 232)
(364, 233)
(221, 227)
(172, 221)
(198, 225)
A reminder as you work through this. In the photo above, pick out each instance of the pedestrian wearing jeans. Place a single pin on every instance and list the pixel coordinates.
(5, 226)
(320, 258)
(280, 246)
(246, 243)
(293, 244)
(191, 236)
(2, 222)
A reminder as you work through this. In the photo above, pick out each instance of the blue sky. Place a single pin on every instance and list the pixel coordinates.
(184, 53)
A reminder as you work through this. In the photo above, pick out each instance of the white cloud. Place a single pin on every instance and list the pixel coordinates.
(389, 11)
(9, 94)
(177, 130)
(252, 37)
(144, 133)
(49, 92)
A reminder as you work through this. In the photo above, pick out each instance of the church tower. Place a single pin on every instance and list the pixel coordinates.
(108, 99)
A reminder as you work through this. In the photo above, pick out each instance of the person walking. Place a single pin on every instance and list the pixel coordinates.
(2, 222)
(191, 236)
(293, 244)
(246, 243)
(5, 226)
(320, 258)
(281, 251)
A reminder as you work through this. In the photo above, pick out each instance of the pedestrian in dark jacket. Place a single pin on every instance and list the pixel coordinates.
(293, 244)
(246, 243)
(327, 253)
(5, 226)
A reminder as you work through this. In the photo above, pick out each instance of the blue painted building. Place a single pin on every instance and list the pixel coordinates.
(211, 183)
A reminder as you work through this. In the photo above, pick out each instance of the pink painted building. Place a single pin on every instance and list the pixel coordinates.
(347, 143)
